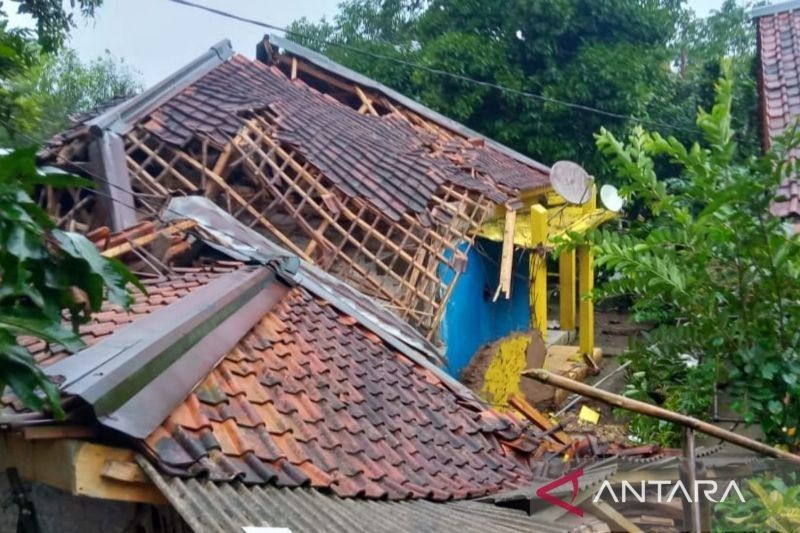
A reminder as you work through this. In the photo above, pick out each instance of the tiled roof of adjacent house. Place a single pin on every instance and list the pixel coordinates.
(779, 87)
(311, 397)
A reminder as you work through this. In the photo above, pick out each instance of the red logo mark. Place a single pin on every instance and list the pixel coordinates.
(544, 492)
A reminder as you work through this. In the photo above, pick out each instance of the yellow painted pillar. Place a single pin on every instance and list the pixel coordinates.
(566, 283)
(538, 270)
(586, 284)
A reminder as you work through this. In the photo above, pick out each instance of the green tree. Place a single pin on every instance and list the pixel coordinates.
(45, 273)
(713, 270)
(61, 86)
(614, 55)
(53, 19)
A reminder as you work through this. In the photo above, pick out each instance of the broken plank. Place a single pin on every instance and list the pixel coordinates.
(124, 471)
(57, 432)
(534, 415)
(507, 258)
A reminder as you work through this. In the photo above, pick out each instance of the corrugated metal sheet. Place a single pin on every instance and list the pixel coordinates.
(227, 507)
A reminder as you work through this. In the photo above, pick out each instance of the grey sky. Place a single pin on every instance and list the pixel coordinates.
(157, 36)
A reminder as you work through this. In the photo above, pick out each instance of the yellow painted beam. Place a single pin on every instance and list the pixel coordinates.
(561, 221)
(566, 291)
(77, 467)
(538, 269)
(586, 284)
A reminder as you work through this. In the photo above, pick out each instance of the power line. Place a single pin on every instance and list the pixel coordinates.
(440, 72)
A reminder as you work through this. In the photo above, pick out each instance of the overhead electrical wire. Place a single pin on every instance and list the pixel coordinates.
(439, 72)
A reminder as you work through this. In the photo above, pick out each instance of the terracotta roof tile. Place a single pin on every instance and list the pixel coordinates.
(360, 420)
(779, 54)
(160, 293)
(395, 165)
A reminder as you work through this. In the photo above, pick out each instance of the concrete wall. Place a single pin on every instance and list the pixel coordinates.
(60, 512)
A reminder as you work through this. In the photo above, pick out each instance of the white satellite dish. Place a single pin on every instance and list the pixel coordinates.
(571, 182)
(611, 198)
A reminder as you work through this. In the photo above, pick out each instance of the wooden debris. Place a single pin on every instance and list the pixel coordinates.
(507, 259)
(657, 412)
(57, 432)
(615, 519)
(535, 416)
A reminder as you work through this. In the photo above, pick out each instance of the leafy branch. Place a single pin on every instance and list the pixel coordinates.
(46, 275)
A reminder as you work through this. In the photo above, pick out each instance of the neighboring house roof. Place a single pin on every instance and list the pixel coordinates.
(779, 86)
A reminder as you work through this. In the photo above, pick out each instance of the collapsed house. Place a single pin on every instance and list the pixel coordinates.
(252, 389)
(351, 176)
(302, 232)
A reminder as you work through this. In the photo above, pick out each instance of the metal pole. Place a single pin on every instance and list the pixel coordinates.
(693, 506)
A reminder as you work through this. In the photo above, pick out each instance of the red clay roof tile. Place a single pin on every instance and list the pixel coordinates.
(779, 72)
(361, 421)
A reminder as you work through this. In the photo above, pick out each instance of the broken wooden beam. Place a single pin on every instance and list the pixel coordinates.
(658, 412)
(539, 420)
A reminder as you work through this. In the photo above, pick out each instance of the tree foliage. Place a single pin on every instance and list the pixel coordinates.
(650, 58)
(53, 19)
(45, 273)
(713, 270)
(61, 86)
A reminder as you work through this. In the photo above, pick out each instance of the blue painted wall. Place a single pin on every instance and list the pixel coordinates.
(471, 319)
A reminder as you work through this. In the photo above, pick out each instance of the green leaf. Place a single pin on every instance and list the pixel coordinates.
(775, 407)
(43, 328)
(114, 274)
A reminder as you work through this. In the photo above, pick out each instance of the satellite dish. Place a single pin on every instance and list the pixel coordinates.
(571, 182)
(611, 198)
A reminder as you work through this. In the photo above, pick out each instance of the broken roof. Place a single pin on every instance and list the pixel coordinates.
(386, 159)
(778, 34)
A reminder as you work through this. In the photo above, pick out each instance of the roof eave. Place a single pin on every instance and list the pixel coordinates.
(136, 377)
(774, 9)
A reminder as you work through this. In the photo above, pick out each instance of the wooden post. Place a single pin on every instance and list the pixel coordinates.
(636, 406)
(566, 291)
(538, 269)
(507, 259)
(586, 284)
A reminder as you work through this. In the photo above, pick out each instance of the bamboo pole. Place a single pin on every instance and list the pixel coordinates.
(652, 410)
(586, 285)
